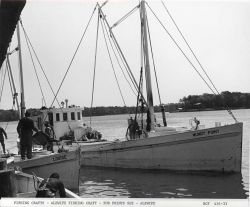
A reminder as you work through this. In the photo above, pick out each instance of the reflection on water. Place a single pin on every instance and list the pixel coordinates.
(110, 182)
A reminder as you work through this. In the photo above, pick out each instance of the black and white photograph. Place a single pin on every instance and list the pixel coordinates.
(139, 103)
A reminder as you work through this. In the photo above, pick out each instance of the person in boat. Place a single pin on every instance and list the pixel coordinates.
(2, 134)
(50, 132)
(25, 130)
(148, 121)
(133, 128)
(54, 185)
(197, 122)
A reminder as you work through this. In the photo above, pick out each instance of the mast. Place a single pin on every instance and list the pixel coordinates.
(119, 49)
(147, 65)
(21, 72)
(13, 84)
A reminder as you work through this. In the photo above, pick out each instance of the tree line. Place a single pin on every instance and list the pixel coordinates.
(233, 100)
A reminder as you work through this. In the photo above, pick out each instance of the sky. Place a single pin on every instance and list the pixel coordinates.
(217, 31)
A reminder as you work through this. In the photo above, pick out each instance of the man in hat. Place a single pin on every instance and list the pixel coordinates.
(25, 130)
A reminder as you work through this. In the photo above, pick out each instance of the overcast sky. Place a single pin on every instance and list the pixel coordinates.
(218, 32)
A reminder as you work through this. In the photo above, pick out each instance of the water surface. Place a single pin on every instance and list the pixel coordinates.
(109, 182)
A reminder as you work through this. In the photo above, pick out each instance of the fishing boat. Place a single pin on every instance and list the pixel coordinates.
(150, 146)
(63, 160)
(44, 163)
(19, 184)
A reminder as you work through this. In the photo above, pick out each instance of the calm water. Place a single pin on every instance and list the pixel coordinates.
(106, 182)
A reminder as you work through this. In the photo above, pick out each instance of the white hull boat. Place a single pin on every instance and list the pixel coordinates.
(211, 149)
(149, 146)
(23, 185)
(67, 164)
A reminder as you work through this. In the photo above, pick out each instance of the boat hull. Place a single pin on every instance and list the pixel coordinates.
(20, 184)
(212, 149)
(66, 164)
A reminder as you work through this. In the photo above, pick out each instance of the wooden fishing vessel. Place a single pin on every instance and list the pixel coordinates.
(44, 163)
(22, 185)
(148, 145)
(65, 162)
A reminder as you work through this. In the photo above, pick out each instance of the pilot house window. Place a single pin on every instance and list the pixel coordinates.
(57, 117)
(65, 116)
(72, 115)
(78, 115)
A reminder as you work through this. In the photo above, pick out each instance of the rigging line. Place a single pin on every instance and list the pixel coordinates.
(189, 47)
(127, 69)
(105, 38)
(181, 50)
(228, 109)
(11, 87)
(118, 59)
(95, 60)
(3, 84)
(112, 64)
(120, 52)
(35, 70)
(125, 16)
(151, 48)
(73, 57)
(2, 76)
(122, 55)
(39, 62)
(30, 44)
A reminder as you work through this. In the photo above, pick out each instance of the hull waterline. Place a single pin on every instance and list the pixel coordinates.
(212, 149)
(66, 164)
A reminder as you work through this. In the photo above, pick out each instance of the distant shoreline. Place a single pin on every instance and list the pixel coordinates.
(7, 115)
(191, 103)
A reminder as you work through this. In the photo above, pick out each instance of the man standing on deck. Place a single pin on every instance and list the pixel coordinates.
(2, 132)
(25, 130)
(50, 132)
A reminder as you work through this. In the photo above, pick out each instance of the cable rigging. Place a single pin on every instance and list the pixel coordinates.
(34, 66)
(105, 38)
(124, 65)
(72, 59)
(96, 47)
(196, 58)
(29, 44)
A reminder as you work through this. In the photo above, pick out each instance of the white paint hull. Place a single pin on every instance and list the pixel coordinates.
(66, 164)
(212, 149)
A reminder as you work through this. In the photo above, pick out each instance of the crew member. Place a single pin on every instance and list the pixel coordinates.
(49, 131)
(25, 130)
(3, 133)
(133, 128)
(197, 122)
(54, 184)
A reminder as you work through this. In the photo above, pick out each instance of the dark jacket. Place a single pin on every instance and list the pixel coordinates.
(55, 185)
(2, 132)
(25, 128)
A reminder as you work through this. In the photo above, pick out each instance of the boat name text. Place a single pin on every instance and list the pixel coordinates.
(210, 132)
(62, 157)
